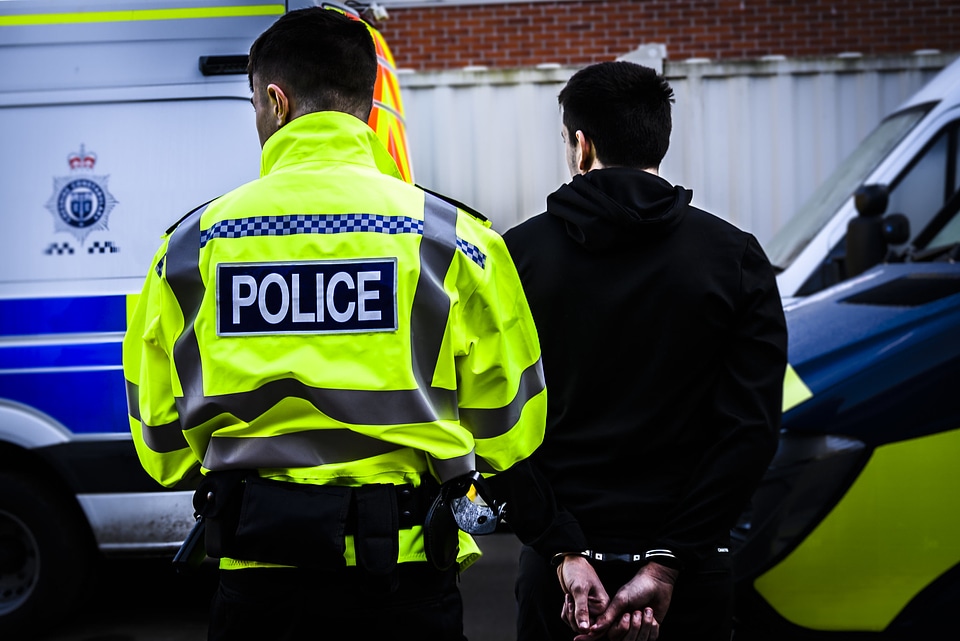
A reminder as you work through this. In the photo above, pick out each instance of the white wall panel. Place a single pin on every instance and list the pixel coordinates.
(751, 139)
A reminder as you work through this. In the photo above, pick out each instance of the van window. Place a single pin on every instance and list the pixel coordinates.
(923, 190)
(944, 231)
(787, 244)
(949, 235)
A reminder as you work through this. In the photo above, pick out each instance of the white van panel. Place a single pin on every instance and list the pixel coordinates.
(144, 164)
(139, 522)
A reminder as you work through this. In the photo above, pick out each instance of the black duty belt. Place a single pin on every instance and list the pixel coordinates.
(304, 525)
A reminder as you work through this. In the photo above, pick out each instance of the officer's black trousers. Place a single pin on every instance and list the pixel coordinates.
(277, 604)
(701, 608)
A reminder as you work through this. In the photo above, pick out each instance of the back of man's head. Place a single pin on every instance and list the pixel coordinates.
(624, 109)
(321, 58)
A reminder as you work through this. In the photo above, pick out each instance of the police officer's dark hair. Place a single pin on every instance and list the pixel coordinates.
(324, 59)
(624, 108)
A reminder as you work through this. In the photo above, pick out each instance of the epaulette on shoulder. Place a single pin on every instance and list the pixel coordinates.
(187, 215)
(456, 203)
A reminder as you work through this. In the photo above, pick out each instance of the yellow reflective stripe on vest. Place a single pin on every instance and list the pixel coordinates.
(141, 15)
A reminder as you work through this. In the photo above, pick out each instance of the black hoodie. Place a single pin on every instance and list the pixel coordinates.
(664, 347)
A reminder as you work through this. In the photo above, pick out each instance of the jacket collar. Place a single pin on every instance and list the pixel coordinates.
(326, 137)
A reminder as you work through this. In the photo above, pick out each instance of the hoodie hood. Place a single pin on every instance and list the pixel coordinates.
(614, 206)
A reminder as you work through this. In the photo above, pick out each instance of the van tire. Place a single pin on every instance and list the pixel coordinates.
(46, 555)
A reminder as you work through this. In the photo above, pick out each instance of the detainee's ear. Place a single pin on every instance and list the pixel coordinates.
(586, 152)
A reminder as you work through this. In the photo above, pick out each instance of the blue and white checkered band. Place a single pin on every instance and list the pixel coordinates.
(307, 297)
(472, 252)
(326, 224)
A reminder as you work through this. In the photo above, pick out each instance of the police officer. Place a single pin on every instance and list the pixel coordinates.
(325, 346)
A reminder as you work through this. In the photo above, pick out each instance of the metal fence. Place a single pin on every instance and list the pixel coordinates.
(752, 139)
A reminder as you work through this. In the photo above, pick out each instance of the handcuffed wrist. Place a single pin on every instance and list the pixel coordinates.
(558, 558)
(663, 557)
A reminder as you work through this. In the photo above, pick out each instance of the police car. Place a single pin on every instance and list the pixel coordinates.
(117, 118)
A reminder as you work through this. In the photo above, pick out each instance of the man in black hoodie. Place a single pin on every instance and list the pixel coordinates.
(664, 349)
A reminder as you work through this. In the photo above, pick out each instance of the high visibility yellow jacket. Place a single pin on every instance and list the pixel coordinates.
(332, 324)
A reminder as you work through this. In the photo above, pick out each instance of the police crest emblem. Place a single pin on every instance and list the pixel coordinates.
(81, 202)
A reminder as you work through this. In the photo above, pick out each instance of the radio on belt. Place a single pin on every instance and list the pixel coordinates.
(307, 297)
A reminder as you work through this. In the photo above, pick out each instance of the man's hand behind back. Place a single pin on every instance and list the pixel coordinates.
(638, 608)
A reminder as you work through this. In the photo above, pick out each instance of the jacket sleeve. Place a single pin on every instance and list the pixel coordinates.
(148, 372)
(500, 386)
(746, 418)
(503, 372)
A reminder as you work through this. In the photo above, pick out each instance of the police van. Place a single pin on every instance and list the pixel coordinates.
(854, 532)
(913, 153)
(116, 119)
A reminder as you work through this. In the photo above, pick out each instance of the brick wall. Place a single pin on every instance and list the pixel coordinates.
(585, 31)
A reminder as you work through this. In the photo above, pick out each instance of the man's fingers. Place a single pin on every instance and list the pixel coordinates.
(652, 624)
(566, 612)
(581, 610)
(612, 614)
(638, 631)
(620, 629)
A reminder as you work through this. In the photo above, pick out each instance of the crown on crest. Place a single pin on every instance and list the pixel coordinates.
(82, 159)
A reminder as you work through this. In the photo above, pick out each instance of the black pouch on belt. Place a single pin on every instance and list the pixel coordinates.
(268, 521)
(377, 540)
(292, 524)
(441, 539)
(217, 500)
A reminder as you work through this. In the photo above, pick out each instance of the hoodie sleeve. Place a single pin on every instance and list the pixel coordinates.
(747, 410)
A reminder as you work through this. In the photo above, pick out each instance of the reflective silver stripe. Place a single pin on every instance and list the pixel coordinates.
(451, 468)
(133, 399)
(300, 449)
(358, 407)
(489, 423)
(183, 274)
(431, 305)
(159, 438)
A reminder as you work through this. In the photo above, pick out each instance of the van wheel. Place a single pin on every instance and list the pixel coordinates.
(46, 555)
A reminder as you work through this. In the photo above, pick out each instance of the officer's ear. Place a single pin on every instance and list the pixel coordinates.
(586, 153)
(279, 104)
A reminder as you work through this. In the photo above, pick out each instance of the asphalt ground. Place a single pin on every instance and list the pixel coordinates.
(144, 600)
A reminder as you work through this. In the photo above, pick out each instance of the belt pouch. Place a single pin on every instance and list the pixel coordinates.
(441, 535)
(292, 524)
(377, 541)
(217, 500)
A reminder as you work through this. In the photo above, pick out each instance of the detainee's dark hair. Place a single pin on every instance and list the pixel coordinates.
(322, 58)
(624, 108)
